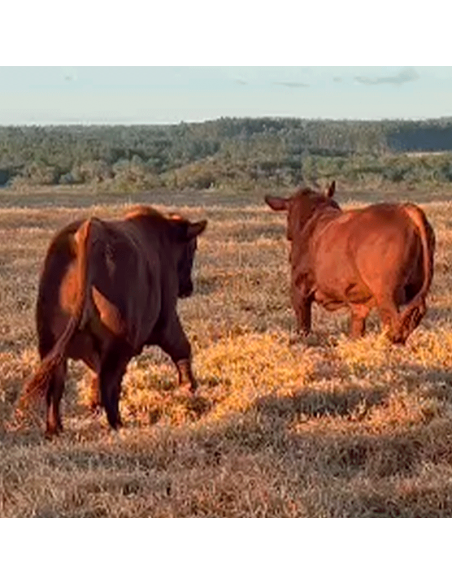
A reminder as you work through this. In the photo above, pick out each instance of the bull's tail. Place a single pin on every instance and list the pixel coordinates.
(416, 308)
(38, 385)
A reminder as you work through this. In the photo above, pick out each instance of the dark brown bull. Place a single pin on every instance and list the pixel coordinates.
(380, 256)
(107, 289)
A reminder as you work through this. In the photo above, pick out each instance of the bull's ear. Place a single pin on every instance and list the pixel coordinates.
(276, 203)
(195, 229)
(330, 190)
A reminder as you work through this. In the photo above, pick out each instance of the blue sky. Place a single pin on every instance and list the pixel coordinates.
(60, 95)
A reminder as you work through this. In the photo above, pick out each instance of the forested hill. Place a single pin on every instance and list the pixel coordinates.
(228, 150)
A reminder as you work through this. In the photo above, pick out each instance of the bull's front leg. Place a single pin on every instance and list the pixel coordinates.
(174, 342)
(302, 305)
(359, 313)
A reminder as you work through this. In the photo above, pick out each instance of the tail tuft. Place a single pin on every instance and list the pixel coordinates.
(38, 384)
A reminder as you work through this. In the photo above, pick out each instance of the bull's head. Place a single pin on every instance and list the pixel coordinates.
(301, 206)
(186, 235)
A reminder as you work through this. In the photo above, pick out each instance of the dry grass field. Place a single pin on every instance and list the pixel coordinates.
(325, 428)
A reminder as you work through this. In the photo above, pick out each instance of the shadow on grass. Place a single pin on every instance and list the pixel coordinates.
(435, 315)
(314, 404)
(232, 465)
(438, 381)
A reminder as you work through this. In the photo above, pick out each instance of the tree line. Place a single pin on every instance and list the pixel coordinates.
(236, 152)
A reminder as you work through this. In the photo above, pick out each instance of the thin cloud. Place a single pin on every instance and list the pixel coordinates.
(240, 82)
(404, 76)
(70, 76)
(291, 84)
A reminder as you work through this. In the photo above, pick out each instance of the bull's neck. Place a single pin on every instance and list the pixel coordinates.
(315, 223)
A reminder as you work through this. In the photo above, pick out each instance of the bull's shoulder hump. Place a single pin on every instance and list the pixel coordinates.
(141, 211)
(345, 217)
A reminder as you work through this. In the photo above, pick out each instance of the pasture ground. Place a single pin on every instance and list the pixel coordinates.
(325, 428)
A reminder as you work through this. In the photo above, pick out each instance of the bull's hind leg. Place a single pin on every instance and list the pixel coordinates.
(390, 319)
(114, 365)
(53, 400)
(410, 319)
(401, 325)
(95, 400)
(358, 320)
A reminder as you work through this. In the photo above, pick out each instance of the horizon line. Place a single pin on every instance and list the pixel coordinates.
(220, 118)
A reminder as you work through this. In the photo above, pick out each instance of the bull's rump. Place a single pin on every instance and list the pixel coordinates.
(364, 255)
(123, 296)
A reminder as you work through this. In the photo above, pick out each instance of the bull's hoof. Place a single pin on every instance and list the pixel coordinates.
(52, 433)
(95, 409)
(187, 382)
(297, 338)
(188, 388)
(115, 428)
(308, 339)
(397, 339)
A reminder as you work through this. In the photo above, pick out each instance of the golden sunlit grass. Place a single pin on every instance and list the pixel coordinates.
(328, 427)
